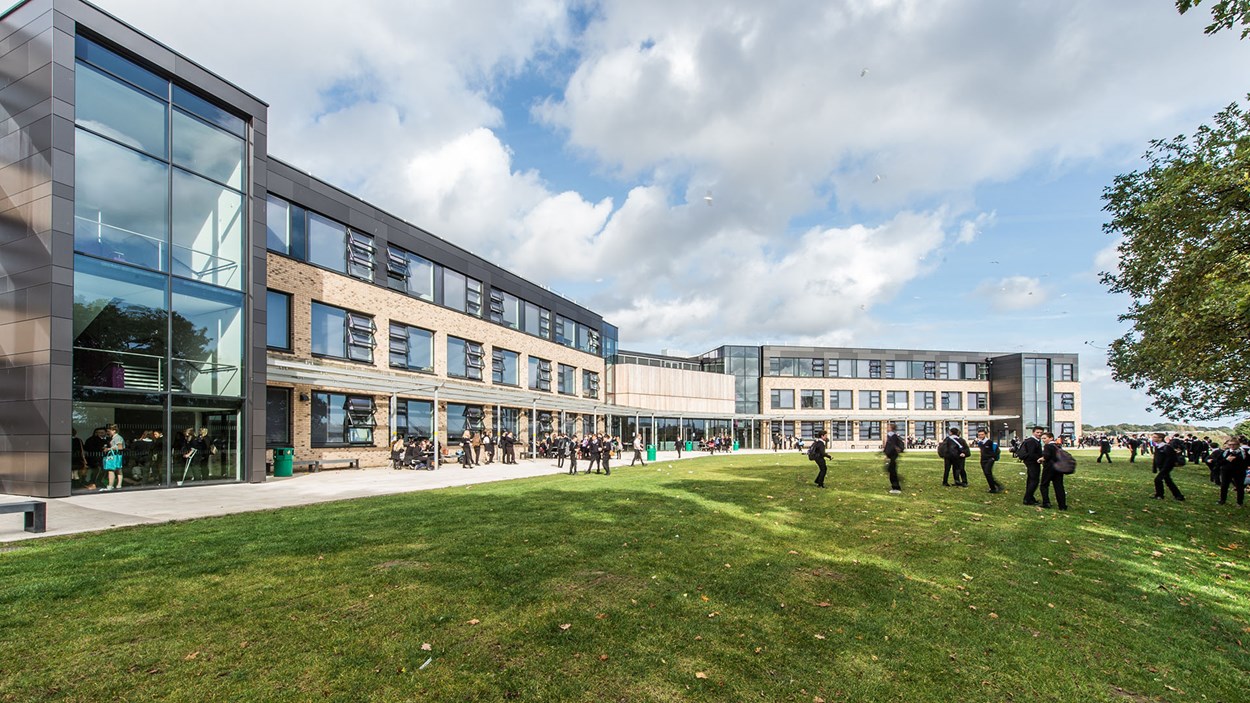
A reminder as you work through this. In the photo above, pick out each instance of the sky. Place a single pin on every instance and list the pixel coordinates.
(884, 173)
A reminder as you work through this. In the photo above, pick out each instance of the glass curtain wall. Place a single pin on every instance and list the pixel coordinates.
(160, 231)
(1036, 393)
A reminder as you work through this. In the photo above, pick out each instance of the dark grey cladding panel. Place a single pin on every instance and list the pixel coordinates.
(773, 350)
(23, 22)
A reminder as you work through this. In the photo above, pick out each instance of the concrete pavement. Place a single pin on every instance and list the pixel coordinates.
(92, 512)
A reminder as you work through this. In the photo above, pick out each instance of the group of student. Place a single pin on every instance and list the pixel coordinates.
(595, 449)
(107, 458)
(1047, 462)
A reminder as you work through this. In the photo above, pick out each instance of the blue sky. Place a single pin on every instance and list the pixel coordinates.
(895, 173)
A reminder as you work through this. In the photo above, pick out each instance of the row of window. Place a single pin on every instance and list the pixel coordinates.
(343, 334)
(345, 419)
(300, 233)
(872, 430)
(814, 399)
(877, 368)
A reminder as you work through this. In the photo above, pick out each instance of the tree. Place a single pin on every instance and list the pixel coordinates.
(1242, 430)
(1224, 13)
(1185, 261)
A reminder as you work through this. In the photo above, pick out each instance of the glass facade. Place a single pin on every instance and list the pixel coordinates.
(160, 231)
(1036, 393)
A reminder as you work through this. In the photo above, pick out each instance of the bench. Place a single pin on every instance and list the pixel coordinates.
(315, 465)
(36, 513)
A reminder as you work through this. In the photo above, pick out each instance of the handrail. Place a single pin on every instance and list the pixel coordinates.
(160, 244)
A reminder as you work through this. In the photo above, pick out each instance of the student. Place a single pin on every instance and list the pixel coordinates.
(573, 447)
(1050, 454)
(1104, 449)
(892, 448)
(1165, 460)
(637, 450)
(605, 458)
(1030, 452)
(1231, 462)
(989, 455)
(113, 453)
(592, 453)
(957, 451)
(819, 452)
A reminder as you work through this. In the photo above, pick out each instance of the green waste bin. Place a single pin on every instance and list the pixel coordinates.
(282, 458)
(735, 446)
(690, 446)
(650, 452)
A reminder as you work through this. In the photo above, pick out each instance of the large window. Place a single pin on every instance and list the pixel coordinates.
(206, 347)
(896, 400)
(811, 430)
(505, 367)
(461, 418)
(277, 417)
(464, 358)
(414, 418)
(840, 400)
(341, 334)
(590, 384)
(978, 401)
(812, 399)
(1065, 401)
(566, 331)
(952, 400)
(505, 308)
(278, 320)
(926, 400)
(339, 419)
(926, 430)
(537, 321)
(539, 374)
(781, 398)
(462, 293)
(1067, 429)
(566, 383)
(870, 400)
(121, 320)
(869, 430)
(1065, 372)
(1036, 393)
(411, 348)
(410, 273)
(840, 431)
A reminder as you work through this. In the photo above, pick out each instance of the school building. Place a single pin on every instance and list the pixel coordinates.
(160, 271)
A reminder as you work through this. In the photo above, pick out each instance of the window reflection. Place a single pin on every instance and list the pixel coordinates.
(208, 151)
(120, 203)
(207, 341)
(119, 326)
(327, 243)
(114, 109)
(207, 231)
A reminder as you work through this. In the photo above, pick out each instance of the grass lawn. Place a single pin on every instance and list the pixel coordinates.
(715, 579)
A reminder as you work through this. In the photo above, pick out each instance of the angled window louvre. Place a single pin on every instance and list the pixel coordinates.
(363, 323)
(473, 297)
(396, 264)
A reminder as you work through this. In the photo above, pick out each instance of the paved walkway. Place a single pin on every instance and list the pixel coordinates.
(101, 511)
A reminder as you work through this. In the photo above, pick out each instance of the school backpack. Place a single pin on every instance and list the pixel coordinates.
(941, 449)
(811, 451)
(1065, 463)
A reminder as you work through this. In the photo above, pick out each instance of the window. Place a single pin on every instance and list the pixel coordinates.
(952, 400)
(540, 374)
(812, 400)
(461, 418)
(278, 228)
(929, 369)
(1067, 429)
(341, 334)
(566, 331)
(781, 399)
(1065, 401)
(818, 368)
(896, 400)
(926, 400)
(507, 419)
(874, 368)
(590, 384)
(411, 348)
(278, 320)
(975, 427)
(505, 367)
(840, 430)
(839, 400)
(1037, 393)
(978, 401)
(537, 321)
(811, 430)
(870, 400)
(339, 419)
(360, 255)
(414, 418)
(898, 369)
(1065, 372)
(410, 273)
(565, 383)
(327, 243)
(926, 430)
(869, 430)
(464, 358)
(505, 309)
(277, 417)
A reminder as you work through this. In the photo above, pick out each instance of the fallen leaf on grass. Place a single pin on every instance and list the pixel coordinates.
(603, 657)
(566, 626)
(474, 621)
(191, 656)
(601, 616)
(994, 615)
(713, 614)
(822, 604)
(819, 636)
(704, 598)
(700, 675)
(791, 552)
(425, 647)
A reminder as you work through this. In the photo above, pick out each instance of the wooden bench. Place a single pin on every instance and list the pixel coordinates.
(36, 513)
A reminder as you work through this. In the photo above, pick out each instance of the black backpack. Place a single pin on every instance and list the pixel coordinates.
(941, 449)
(811, 451)
(1065, 463)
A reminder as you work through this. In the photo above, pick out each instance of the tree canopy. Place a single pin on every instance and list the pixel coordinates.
(1224, 14)
(1184, 221)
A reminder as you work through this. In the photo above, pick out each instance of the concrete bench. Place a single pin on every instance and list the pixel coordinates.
(315, 465)
(36, 513)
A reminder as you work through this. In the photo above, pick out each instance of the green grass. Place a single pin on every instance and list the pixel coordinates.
(736, 568)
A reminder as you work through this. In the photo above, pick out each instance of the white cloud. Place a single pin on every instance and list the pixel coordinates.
(1012, 293)
(1108, 258)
